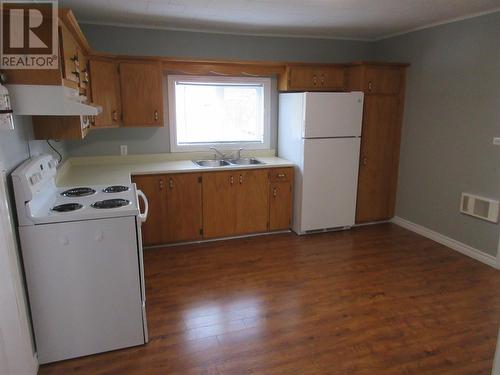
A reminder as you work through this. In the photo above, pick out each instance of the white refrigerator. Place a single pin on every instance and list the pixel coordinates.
(321, 134)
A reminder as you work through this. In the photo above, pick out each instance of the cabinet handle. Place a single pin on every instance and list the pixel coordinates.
(281, 175)
(241, 179)
(370, 86)
(231, 180)
(161, 184)
(156, 115)
(322, 79)
(364, 161)
(275, 192)
(315, 80)
(170, 184)
(114, 116)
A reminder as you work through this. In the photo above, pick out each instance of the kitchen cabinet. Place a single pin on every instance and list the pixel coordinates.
(313, 78)
(219, 197)
(382, 80)
(183, 207)
(174, 207)
(383, 86)
(252, 201)
(60, 127)
(235, 202)
(153, 230)
(194, 206)
(280, 205)
(105, 91)
(141, 93)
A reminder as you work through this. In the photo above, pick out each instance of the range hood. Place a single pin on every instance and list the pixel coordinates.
(49, 100)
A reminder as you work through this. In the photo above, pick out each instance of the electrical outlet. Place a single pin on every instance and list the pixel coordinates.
(123, 150)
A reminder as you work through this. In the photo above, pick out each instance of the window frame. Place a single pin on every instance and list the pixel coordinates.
(264, 81)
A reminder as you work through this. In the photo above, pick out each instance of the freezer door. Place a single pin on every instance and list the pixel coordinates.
(330, 178)
(332, 114)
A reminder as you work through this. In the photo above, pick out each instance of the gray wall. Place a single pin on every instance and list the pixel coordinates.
(452, 113)
(134, 41)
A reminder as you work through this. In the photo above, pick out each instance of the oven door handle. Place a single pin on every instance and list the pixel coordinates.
(143, 215)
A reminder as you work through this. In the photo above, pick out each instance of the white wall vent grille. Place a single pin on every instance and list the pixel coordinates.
(480, 207)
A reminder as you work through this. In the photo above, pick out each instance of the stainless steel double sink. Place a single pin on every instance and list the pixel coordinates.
(227, 162)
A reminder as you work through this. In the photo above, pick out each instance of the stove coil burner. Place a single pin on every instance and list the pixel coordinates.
(67, 207)
(111, 203)
(116, 189)
(78, 192)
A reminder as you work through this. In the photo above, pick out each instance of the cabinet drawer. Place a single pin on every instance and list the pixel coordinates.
(382, 80)
(281, 174)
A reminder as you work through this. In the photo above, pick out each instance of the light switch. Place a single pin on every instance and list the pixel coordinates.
(496, 141)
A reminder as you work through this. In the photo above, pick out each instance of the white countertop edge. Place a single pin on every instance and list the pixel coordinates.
(102, 170)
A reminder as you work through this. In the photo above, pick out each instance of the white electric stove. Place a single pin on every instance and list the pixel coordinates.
(82, 255)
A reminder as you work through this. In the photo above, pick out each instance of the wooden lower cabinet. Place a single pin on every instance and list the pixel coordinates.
(153, 186)
(219, 212)
(280, 205)
(183, 207)
(174, 207)
(235, 202)
(252, 201)
(195, 206)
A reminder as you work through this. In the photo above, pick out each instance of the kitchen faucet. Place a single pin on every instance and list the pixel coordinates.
(238, 154)
(217, 152)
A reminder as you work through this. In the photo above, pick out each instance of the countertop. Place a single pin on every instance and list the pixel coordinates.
(102, 170)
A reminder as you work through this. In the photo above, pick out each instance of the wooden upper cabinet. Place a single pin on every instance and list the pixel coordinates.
(141, 94)
(106, 92)
(313, 78)
(184, 207)
(382, 80)
(252, 201)
(153, 230)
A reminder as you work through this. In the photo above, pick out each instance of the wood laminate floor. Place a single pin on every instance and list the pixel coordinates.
(373, 300)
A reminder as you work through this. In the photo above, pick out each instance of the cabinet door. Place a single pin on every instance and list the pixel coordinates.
(383, 80)
(70, 55)
(153, 230)
(379, 158)
(141, 91)
(184, 208)
(106, 92)
(280, 205)
(331, 78)
(314, 78)
(219, 211)
(252, 201)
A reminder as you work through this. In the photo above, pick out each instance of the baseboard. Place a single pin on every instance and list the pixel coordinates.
(462, 248)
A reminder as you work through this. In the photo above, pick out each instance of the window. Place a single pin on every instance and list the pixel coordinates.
(222, 112)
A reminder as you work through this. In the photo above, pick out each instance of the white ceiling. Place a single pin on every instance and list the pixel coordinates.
(353, 19)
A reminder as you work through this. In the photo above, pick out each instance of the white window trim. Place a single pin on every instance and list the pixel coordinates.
(265, 82)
